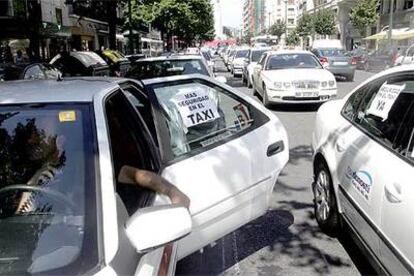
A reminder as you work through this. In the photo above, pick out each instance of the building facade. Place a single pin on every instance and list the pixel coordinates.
(283, 11)
(254, 17)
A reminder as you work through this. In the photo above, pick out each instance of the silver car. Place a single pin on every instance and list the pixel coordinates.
(63, 209)
(335, 60)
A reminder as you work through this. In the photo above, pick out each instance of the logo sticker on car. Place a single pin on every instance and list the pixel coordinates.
(361, 181)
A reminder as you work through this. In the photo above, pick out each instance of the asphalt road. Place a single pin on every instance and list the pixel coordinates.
(287, 240)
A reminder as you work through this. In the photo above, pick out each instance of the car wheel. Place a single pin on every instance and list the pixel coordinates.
(350, 77)
(366, 66)
(265, 98)
(326, 210)
(243, 79)
(249, 84)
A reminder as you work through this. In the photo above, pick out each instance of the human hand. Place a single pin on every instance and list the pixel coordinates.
(178, 197)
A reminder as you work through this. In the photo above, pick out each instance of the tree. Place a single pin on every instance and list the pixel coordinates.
(324, 22)
(278, 28)
(305, 25)
(247, 37)
(292, 38)
(364, 15)
(227, 31)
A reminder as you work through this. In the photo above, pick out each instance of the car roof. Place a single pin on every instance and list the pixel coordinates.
(172, 57)
(51, 91)
(284, 52)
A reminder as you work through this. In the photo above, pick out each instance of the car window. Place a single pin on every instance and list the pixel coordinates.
(256, 55)
(34, 72)
(242, 54)
(263, 59)
(129, 146)
(384, 108)
(165, 68)
(351, 107)
(199, 114)
(332, 52)
(47, 190)
(288, 61)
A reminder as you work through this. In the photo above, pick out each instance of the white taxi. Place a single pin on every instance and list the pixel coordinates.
(363, 167)
(63, 210)
(292, 76)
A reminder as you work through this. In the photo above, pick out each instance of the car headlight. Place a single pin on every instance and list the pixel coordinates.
(331, 83)
(278, 85)
(324, 84)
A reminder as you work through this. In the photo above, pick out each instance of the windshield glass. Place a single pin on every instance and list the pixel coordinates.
(47, 194)
(257, 54)
(289, 61)
(242, 54)
(206, 55)
(89, 58)
(164, 68)
(332, 53)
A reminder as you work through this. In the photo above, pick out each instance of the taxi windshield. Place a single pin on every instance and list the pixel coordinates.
(290, 61)
(47, 190)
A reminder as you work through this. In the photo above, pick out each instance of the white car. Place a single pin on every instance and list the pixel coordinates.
(363, 166)
(237, 63)
(406, 58)
(253, 58)
(63, 210)
(292, 76)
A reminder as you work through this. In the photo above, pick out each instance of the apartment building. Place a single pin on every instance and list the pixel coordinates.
(283, 11)
(254, 16)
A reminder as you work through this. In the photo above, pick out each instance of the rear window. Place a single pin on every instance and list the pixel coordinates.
(242, 54)
(332, 52)
(256, 55)
(165, 68)
(48, 222)
(88, 58)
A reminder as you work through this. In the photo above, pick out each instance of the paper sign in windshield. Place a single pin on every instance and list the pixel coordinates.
(384, 100)
(195, 106)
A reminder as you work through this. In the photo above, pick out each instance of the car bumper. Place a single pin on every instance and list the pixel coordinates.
(238, 71)
(342, 71)
(290, 97)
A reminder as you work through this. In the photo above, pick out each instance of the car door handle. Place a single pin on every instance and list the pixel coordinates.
(341, 145)
(393, 192)
(275, 148)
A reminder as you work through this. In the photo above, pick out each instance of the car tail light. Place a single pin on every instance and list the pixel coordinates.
(323, 60)
(353, 61)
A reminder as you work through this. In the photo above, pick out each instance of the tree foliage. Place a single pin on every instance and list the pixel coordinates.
(292, 38)
(364, 15)
(278, 28)
(324, 22)
(189, 20)
(305, 25)
(246, 38)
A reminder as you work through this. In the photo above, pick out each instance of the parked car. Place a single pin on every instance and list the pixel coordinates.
(81, 64)
(117, 62)
(172, 65)
(237, 63)
(65, 142)
(291, 76)
(33, 71)
(250, 62)
(363, 164)
(407, 57)
(378, 60)
(335, 60)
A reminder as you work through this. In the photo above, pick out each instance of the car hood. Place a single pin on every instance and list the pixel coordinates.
(298, 74)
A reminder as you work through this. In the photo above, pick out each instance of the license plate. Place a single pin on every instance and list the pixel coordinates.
(307, 94)
(340, 63)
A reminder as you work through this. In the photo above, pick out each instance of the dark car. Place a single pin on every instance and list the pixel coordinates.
(33, 71)
(378, 60)
(360, 56)
(335, 60)
(81, 64)
(118, 63)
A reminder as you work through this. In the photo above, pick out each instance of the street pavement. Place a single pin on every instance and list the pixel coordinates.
(287, 240)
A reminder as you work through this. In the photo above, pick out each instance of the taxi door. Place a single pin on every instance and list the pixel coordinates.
(221, 148)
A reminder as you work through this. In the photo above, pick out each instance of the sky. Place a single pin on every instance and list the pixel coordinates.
(232, 12)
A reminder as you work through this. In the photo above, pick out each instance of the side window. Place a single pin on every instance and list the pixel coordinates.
(128, 147)
(262, 60)
(199, 115)
(33, 73)
(351, 107)
(142, 104)
(384, 109)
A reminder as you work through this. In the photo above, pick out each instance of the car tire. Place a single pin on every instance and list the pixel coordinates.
(265, 98)
(350, 77)
(325, 205)
(243, 79)
(249, 84)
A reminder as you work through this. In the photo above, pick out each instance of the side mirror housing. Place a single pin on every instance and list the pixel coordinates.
(221, 79)
(153, 227)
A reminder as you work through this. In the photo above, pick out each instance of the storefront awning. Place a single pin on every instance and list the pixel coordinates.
(397, 34)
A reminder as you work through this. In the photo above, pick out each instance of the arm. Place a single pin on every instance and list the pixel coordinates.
(150, 180)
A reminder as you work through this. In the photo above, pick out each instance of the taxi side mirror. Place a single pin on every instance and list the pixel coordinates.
(153, 227)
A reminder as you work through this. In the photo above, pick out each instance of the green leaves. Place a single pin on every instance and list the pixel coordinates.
(278, 28)
(292, 38)
(304, 26)
(324, 22)
(364, 15)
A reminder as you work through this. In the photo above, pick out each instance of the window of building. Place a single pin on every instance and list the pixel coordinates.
(408, 4)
